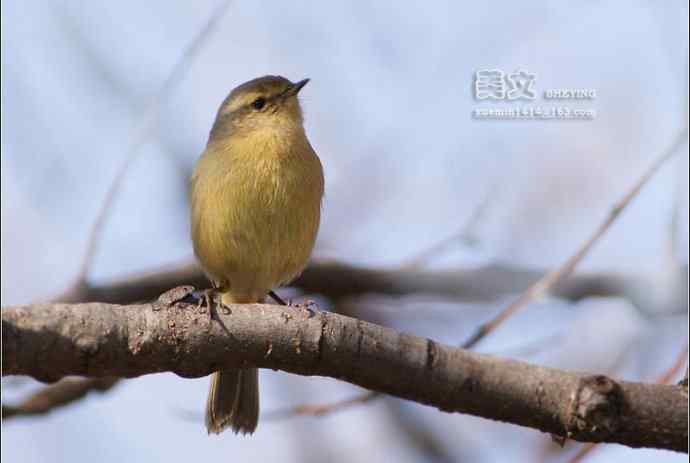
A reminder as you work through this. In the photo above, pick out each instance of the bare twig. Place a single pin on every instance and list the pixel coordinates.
(583, 451)
(675, 369)
(318, 409)
(531, 347)
(421, 435)
(464, 234)
(58, 395)
(142, 132)
(544, 284)
(672, 238)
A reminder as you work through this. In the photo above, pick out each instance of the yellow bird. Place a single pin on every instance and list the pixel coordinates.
(255, 210)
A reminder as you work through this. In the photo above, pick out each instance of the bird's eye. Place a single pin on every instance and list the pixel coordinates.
(259, 103)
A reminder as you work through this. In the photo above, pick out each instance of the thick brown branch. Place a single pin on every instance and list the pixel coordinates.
(49, 341)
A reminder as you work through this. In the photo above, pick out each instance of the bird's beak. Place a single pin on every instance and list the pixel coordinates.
(296, 87)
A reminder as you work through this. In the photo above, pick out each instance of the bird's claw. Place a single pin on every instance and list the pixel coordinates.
(309, 305)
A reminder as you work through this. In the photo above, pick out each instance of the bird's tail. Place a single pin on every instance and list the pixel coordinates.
(234, 396)
(233, 401)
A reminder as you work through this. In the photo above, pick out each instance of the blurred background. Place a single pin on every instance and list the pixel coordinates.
(88, 87)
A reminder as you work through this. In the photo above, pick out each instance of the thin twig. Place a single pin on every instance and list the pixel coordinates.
(531, 347)
(319, 409)
(674, 370)
(64, 392)
(672, 239)
(463, 234)
(298, 410)
(540, 287)
(148, 122)
(582, 452)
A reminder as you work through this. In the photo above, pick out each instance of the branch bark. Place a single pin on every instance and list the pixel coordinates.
(49, 341)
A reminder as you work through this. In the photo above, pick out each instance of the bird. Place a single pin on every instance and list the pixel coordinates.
(256, 195)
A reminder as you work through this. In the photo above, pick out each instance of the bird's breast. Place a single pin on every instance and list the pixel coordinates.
(256, 209)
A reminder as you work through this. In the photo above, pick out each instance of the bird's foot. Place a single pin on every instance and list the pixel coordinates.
(205, 297)
(210, 299)
(309, 305)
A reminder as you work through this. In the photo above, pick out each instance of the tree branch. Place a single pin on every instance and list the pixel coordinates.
(57, 395)
(339, 280)
(49, 341)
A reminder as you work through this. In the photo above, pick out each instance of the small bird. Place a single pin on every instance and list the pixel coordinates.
(255, 210)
